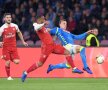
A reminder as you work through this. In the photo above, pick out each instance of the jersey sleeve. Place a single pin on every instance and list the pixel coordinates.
(79, 37)
(54, 31)
(37, 26)
(1, 31)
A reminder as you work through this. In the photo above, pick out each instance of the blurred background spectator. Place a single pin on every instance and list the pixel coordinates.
(81, 15)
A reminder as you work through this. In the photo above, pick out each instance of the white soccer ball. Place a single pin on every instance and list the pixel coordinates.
(100, 59)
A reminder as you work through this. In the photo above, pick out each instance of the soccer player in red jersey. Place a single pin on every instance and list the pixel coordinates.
(48, 47)
(8, 32)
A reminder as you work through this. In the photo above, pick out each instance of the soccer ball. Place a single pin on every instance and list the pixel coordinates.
(100, 59)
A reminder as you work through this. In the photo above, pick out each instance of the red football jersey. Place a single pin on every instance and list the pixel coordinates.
(45, 36)
(9, 34)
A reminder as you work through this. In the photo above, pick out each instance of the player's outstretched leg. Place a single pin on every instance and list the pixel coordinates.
(32, 68)
(57, 66)
(62, 66)
(83, 56)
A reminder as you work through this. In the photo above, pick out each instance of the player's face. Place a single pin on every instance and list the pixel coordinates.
(8, 19)
(95, 31)
(63, 25)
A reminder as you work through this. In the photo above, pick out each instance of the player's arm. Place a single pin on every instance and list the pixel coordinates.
(21, 37)
(1, 31)
(53, 31)
(81, 36)
(37, 27)
(1, 43)
(48, 29)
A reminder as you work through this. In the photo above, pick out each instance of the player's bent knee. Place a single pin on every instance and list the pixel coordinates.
(7, 63)
(40, 64)
(17, 61)
(66, 52)
(78, 49)
(81, 48)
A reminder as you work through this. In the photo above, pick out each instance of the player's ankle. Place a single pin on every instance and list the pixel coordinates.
(9, 76)
(25, 72)
(74, 68)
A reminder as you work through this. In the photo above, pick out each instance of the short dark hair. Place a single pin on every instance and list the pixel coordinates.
(62, 20)
(6, 14)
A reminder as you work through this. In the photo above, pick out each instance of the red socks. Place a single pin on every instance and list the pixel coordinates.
(32, 68)
(7, 70)
(70, 61)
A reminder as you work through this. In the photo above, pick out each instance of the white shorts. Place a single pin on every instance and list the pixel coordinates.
(71, 48)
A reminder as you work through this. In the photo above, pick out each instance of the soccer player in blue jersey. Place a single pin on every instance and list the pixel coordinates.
(67, 40)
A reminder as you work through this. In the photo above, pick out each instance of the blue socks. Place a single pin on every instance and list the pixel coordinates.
(64, 65)
(60, 66)
(83, 57)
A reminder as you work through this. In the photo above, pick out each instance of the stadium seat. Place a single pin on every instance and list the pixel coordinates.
(19, 43)
(30, 43)
(26, 35)
(83, 42)
(38, 43)
(104, 43)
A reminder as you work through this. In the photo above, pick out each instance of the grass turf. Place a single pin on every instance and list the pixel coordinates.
(55, 84)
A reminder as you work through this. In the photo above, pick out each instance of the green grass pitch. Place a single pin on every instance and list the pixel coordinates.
(55, 84)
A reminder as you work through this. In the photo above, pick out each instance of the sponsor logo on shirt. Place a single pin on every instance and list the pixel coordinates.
(10, 35)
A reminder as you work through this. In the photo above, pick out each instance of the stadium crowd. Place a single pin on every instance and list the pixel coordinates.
(80, 14)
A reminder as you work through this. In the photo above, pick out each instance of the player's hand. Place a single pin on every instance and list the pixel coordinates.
(1, 44)
(46, 23)
(90, 31)
(48, 29)
(25, 44)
